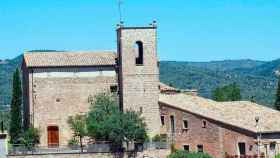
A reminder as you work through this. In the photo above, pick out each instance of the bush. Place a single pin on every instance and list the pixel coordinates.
(277, 156)
(159, 138)
(30, 137)
(185, 154)
(73, 142)
(173, 148)
(156, 138)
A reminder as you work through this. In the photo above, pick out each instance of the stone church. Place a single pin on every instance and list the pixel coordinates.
(57, 85)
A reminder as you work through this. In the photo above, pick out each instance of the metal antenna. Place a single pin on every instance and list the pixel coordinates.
(120, 2)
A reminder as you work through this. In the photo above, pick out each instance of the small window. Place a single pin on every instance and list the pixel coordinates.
(272, 146)
(242, 148)
(251, 147)
(162, 120)
(172, 121)
(113, 89)
(199, 148)
(185, 124)
(57, 100)
(186, 148)
(204, 123)
(139, 52)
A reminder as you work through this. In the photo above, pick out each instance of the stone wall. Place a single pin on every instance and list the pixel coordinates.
(54, 98)
(146, 153)
(217, 139)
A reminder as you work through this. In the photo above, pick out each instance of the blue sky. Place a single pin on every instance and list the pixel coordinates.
(189, 30)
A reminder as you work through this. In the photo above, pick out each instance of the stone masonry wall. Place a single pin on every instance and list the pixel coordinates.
(217, 139)
(55, 99)
(139, 83)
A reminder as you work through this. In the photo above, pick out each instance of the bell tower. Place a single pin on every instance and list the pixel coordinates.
(138, 73)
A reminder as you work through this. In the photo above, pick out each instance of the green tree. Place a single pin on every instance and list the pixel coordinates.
(132, 128)
(277, 101)
(78, 125)
(106, 123)
(101, 109)
(15, 129)
(185, 154)
(227, 93)
(218, 95)
(234, 91)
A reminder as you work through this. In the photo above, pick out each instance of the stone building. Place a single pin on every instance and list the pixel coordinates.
(219, 128)
(57, 85)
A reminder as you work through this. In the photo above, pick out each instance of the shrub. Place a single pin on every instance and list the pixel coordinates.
(30, 137)
(156, 138)
(277, 156)
(173, 148)
(185, 154)
(159, 138)
(73, 142)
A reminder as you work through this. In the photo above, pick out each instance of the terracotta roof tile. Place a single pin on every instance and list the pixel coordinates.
(57, 59)
(239, 114)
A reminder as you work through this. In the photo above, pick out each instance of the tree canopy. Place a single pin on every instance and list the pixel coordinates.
(229, 92)
(185, 154)
(78, 125)
(15, 129)
(277, 100)
(105, 122)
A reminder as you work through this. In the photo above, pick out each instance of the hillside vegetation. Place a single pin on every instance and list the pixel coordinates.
(7, 68)
(256, 79)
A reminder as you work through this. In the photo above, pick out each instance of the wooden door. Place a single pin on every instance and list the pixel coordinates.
(53, 136)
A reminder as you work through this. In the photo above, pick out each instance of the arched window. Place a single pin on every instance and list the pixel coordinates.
(139, 52)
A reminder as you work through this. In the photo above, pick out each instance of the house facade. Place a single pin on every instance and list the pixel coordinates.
(57, 85)
(221, 129)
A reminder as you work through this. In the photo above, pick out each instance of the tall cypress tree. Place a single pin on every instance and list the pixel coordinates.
(16, 107)
(277, 101)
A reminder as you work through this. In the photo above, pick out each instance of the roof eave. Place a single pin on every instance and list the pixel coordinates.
(70, 66)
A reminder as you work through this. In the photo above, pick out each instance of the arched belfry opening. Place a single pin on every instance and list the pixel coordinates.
(138, 46)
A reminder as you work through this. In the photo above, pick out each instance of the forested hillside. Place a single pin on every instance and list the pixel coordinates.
(7, 67)
(256, 79)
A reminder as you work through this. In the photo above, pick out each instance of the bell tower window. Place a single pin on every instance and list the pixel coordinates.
(139, 52)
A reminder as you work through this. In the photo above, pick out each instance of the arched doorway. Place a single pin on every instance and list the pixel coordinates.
(53, 136)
